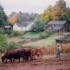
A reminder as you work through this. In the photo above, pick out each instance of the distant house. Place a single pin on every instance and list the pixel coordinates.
(59, 26)
(23, 26)
(7, 27)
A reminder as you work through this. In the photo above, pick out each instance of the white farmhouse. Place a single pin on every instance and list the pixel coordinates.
(24, 26)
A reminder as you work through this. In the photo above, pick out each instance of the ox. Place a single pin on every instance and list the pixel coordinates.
(36, 52)
(16, 54)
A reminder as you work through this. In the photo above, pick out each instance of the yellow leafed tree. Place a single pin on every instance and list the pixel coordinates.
(12, 20)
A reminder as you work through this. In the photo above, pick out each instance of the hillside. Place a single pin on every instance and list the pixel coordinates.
(45, 42)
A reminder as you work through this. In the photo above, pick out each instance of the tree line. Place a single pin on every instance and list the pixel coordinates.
(3, 17)
(21, 17)
(57, 12)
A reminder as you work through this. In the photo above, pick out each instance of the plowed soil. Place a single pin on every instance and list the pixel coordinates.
(48, 62)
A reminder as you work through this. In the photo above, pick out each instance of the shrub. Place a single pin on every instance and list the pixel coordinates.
(8, 32)
(4, 46)
(38, 26)
(42, 35)
(18, 33)
(3, 43)
(2, 49)
(2, 31)
(48, 32)
(13, 45)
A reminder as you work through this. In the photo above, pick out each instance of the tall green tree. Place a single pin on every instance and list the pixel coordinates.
(3, 17)
(68, 14)
(38, 26)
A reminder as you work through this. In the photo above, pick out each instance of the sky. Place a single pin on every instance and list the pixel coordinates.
(29, 6)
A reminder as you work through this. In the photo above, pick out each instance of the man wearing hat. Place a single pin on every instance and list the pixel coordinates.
(58, 51)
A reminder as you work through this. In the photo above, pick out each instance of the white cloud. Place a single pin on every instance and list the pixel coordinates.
(26, 5)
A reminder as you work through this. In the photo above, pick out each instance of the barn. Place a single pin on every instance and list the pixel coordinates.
(23, 26)
(59, 26)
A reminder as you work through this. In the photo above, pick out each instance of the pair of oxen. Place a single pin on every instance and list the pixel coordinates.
(25, 53)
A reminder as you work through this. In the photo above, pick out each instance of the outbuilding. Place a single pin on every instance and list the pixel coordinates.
(59, 26)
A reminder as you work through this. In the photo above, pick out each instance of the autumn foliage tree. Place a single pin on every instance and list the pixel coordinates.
(57, 12)
(46, 16)
(12, 18)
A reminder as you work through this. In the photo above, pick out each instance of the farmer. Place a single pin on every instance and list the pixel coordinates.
(58, 51)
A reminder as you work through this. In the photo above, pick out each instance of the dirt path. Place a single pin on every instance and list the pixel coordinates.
(48, 62)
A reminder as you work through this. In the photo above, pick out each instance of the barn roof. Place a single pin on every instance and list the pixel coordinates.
(57, 22)
(23, 24)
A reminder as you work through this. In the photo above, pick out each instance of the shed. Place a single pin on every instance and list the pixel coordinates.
(59, 26)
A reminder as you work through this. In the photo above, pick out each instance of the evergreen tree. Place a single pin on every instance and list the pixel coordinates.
(3, 17)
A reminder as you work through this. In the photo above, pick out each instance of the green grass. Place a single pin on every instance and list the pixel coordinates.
(31, 35)
(44, 42)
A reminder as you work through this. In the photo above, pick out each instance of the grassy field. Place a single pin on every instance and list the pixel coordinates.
(30, 35)
(44, 42)
(14, 39)
(47, 45)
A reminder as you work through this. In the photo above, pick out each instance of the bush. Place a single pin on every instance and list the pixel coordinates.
(49, 32)
(9, 32)
(3, 49)
(3, 43)
(38, 26)
(2, 31)
(12, 45)
(42, 35)
(18, 33)
(4, 46)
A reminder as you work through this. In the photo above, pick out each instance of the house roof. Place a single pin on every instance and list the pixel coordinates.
(57, 22)
(23, 24)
